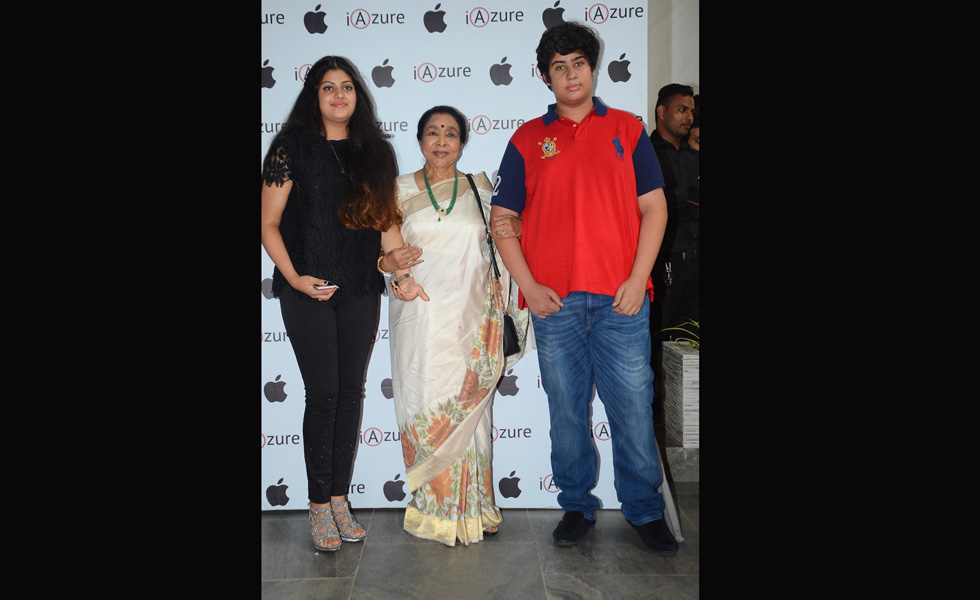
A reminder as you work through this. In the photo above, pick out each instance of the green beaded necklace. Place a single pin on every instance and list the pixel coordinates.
(443, 212)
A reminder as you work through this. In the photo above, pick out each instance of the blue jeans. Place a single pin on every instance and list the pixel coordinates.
(586, 344)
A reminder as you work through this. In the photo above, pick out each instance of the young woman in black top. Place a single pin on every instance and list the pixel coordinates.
(328, 191)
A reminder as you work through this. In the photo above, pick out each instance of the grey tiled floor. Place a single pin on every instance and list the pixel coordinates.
(519, 563)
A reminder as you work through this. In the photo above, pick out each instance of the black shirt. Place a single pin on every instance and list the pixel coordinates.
(682, 179)
(317, 242)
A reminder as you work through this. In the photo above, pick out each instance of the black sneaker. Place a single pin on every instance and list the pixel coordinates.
(657, 537)
(572, 528)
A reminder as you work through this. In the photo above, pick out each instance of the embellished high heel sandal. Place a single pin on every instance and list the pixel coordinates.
(346, 522)
(323, 529)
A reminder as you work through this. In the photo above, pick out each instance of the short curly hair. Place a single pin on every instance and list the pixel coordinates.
(565, 39)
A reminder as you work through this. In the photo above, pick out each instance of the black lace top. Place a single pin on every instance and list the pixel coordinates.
(317, 242)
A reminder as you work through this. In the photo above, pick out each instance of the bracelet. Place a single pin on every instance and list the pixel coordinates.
(401, 278)
(382, 271)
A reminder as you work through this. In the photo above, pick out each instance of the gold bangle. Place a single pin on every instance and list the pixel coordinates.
(382, 271)
(401, 278)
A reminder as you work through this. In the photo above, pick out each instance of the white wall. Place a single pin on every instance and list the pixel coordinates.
(673, 45)
(520, 414)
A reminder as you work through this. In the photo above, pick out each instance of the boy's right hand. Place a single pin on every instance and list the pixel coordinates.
(542, 301)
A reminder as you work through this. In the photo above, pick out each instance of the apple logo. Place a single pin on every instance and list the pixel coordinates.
(619, 70)
(267, 79)
(314, 20)
(274, 390)
(500, 74)
(508, 384)
(552, 16)
(386, 390)
(276, 494)
(267, 288)
(508, 486)
(433, 20)
(382, 75)
(394, 490)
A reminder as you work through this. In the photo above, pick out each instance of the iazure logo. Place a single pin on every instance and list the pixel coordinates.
(511, 433)
(315, 20)
(267, 288)
(273, 19)
(301, 72)
(362, 19)
(597, 13)
(392, 127)
(481, 17)
(287, 439)
(428, 72)
(600, 13)
(482, 124)
(373, 436)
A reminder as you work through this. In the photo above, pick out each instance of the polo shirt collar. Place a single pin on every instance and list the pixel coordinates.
(552, 115)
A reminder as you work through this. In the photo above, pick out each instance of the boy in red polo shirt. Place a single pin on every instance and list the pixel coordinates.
(586, 182)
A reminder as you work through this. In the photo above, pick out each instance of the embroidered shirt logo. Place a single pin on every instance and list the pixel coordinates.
(619, 148)
(549, 147)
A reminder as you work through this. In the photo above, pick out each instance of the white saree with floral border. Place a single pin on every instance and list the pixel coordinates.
(446, 361)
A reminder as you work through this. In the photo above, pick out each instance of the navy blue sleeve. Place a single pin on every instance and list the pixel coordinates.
(510, 189)
(646, 166)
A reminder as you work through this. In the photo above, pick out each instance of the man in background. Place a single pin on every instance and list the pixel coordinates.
(676, 272)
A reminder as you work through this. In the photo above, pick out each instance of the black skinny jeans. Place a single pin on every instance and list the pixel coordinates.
(332, 341)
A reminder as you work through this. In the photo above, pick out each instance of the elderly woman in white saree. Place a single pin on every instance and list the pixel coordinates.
(445, 317)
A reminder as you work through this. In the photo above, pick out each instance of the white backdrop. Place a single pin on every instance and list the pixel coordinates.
(481, 61)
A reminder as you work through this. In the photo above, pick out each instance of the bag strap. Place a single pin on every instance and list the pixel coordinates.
(479, 203)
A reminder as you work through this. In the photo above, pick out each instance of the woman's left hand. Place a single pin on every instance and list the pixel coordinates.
(405, 257)
(408, 290)
(507, 226)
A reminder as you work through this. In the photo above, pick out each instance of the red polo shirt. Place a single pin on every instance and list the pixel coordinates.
(576, 186)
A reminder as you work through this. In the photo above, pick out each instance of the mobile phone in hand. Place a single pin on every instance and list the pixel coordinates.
(326, 287)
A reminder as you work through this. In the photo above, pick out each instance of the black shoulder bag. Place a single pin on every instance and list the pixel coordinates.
(511, 345)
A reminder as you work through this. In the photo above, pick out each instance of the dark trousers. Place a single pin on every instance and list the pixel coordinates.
(673, 304)
(332, 341)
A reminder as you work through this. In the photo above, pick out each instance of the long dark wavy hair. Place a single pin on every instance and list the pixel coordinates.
(371, 162)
